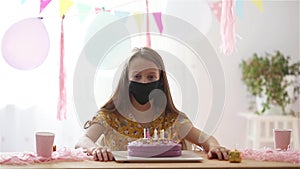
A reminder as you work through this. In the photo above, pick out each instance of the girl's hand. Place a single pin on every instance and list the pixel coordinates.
(102, 154)
(218, 152)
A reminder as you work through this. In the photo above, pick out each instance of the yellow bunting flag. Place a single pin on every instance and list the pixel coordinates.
(258, 4)
(64, 6)
(139, 18)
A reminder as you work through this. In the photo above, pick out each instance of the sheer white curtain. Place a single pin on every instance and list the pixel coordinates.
(28, 100)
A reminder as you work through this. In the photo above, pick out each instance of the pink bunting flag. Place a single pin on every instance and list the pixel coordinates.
(157, 17)
(227, 27)
(43, 4)
(61, 107)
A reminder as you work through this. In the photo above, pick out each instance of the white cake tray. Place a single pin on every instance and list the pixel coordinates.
(122, 156)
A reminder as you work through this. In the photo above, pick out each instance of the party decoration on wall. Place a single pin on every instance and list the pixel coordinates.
(195, 12)
(43, 4)
(139, 20)
(97, 10)
(121, 14)
(224, 13)
(227, 27)
(216, 9)
(148, 38)
(64, 6)
(62, 101)
(83, 10)
(157, 17)
(25, 45)
(258, 4)
(239, 8)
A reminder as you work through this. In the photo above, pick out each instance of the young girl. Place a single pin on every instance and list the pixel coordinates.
(141, 100)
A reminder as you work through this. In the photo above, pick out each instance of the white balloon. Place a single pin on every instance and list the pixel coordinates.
(195, 12)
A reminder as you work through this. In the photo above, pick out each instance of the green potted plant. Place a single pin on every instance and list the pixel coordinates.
(268, 77)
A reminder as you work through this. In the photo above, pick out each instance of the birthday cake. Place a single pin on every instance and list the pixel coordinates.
(154, 147)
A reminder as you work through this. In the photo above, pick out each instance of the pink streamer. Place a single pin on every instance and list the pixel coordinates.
(61, 112)
(216, 9)
(291, 156)
(148, 33)
(157, 17)
(63, 154)
(227, 27)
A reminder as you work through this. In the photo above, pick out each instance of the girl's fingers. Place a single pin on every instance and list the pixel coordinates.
(110, 155)
(104, 154)
(99, 154)
(94, 153)
(220, 153)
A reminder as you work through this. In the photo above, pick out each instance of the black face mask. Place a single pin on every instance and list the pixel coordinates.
(141, 91)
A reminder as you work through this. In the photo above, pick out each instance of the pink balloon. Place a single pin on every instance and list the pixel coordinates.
(25, 45)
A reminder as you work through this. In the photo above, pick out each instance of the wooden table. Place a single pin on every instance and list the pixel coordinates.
(206, 163)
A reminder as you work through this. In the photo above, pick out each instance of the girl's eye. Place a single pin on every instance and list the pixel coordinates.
(137, 77)
(151, 77)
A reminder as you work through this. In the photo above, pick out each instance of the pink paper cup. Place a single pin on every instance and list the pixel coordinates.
(44, 143)
(282, 138)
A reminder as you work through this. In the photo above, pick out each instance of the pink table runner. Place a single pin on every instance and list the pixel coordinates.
(291, 156)
(63, 154)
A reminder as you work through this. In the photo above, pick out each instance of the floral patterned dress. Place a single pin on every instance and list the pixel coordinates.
(118, 130)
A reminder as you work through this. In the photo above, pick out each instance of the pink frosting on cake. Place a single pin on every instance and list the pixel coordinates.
(154, 148)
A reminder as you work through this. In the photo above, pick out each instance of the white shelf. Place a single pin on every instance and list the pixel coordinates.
(260, 129)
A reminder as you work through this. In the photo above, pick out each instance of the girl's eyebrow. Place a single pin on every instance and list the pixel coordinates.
(153, 71)
(135, 72)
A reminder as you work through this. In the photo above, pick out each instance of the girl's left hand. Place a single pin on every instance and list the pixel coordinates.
(218, 152)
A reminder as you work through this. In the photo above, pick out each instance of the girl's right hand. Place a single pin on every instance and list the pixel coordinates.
(102, 154)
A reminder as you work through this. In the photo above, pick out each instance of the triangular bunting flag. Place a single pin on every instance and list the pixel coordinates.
(239, 8)
(83, 10)
(121, 14)
(258, 4)
(139, 18)
(43, 4)
(157, 17)
(64, 6)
